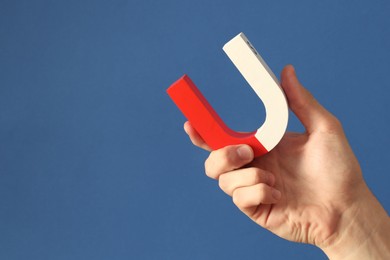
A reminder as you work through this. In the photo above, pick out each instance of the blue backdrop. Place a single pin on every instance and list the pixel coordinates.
(94, 163)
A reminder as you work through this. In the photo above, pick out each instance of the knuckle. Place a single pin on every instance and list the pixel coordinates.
(207, 168)
(214, 164)
(241, 199)
(193, 141)
(261, 191)
(237, 198)
(333, 125)
(197, 143)
(223, 184)
(258, 175)
(227, 156)
(219, 161)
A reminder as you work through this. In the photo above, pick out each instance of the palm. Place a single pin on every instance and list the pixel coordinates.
(302, 164)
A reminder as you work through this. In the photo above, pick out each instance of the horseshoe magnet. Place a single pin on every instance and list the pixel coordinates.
(208, 123)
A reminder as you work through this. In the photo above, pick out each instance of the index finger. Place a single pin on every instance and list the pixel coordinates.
(195, 138)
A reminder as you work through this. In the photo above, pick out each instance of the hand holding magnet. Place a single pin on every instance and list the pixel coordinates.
(208, 123)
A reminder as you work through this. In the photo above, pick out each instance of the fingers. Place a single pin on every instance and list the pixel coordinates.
(229, 182)
(312, 115)
(249, 197)
(227, 159)
(195, 138)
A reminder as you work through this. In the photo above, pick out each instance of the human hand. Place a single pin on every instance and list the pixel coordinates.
(309, 188)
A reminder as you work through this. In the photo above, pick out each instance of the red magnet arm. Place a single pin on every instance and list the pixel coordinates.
(205, 120)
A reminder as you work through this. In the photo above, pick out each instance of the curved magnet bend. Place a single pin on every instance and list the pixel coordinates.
(207, 122)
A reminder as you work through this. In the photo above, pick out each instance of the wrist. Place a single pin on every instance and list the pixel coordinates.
(363, 231)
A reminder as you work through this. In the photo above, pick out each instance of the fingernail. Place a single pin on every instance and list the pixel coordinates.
(276, 194)
(245, 152)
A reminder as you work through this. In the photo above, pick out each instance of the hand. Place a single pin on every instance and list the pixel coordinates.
(309, 188)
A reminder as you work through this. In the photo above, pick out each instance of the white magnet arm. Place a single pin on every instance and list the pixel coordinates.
(262, 80)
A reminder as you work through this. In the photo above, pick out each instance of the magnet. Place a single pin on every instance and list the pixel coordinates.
(259, 76)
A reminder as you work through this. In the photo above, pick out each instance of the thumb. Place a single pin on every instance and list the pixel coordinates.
(312, 115)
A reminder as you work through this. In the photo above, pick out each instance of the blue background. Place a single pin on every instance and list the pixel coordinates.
(94, 163)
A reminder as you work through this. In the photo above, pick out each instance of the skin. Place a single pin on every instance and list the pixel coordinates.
(309, 188)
